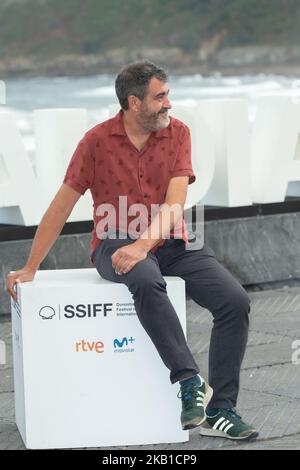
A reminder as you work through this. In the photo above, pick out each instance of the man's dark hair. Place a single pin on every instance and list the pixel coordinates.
(134, 79)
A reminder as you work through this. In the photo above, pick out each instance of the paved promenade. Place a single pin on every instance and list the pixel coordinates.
(270, 382)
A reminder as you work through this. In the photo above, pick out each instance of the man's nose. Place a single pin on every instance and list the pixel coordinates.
(167, 103)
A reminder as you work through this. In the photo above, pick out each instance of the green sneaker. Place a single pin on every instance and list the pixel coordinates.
(195, 398)
(227, 423)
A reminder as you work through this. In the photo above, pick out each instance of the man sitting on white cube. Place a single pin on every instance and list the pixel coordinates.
(140, 162)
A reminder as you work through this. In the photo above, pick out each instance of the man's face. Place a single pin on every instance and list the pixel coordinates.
(152, 114)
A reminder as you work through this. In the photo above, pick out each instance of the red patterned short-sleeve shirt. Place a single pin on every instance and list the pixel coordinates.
(106, 162)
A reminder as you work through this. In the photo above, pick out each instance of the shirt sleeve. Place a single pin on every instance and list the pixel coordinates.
(183, 163)
(80, 172)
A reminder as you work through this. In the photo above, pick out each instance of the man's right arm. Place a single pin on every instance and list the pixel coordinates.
(47, 233)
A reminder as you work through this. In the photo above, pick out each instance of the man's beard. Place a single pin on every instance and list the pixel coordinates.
(154, 121)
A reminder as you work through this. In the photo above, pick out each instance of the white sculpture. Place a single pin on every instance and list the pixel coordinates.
(233, 166)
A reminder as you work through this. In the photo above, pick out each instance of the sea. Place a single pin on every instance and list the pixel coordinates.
(95, 93)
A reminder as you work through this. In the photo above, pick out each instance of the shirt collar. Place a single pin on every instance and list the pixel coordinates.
(117, 127)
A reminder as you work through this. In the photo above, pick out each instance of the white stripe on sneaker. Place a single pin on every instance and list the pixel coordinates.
(222, 426)
(228, 427)
(215, 426)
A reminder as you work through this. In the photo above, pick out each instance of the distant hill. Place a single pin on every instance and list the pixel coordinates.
(108, 32)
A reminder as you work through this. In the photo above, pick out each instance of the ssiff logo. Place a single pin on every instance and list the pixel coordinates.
(75, 311)
(47, 312)
(119, 345)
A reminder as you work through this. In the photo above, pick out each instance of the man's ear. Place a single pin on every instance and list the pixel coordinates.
(133, 103)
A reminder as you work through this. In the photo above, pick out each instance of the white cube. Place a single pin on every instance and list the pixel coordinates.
(86, 373)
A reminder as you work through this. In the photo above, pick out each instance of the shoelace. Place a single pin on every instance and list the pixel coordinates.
(187, 396)
(232, 413)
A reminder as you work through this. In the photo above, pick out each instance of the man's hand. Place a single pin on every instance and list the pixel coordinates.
(126, 257)
(14, 277)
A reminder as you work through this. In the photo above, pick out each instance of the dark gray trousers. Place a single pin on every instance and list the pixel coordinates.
(210, 285)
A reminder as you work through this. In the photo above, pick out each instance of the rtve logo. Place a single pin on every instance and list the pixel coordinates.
(89, 346)
(75, 311)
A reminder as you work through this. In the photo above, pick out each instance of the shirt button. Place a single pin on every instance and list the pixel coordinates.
(141, 175)
(146, 195)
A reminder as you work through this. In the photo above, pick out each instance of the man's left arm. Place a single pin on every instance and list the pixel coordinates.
(170, 212)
